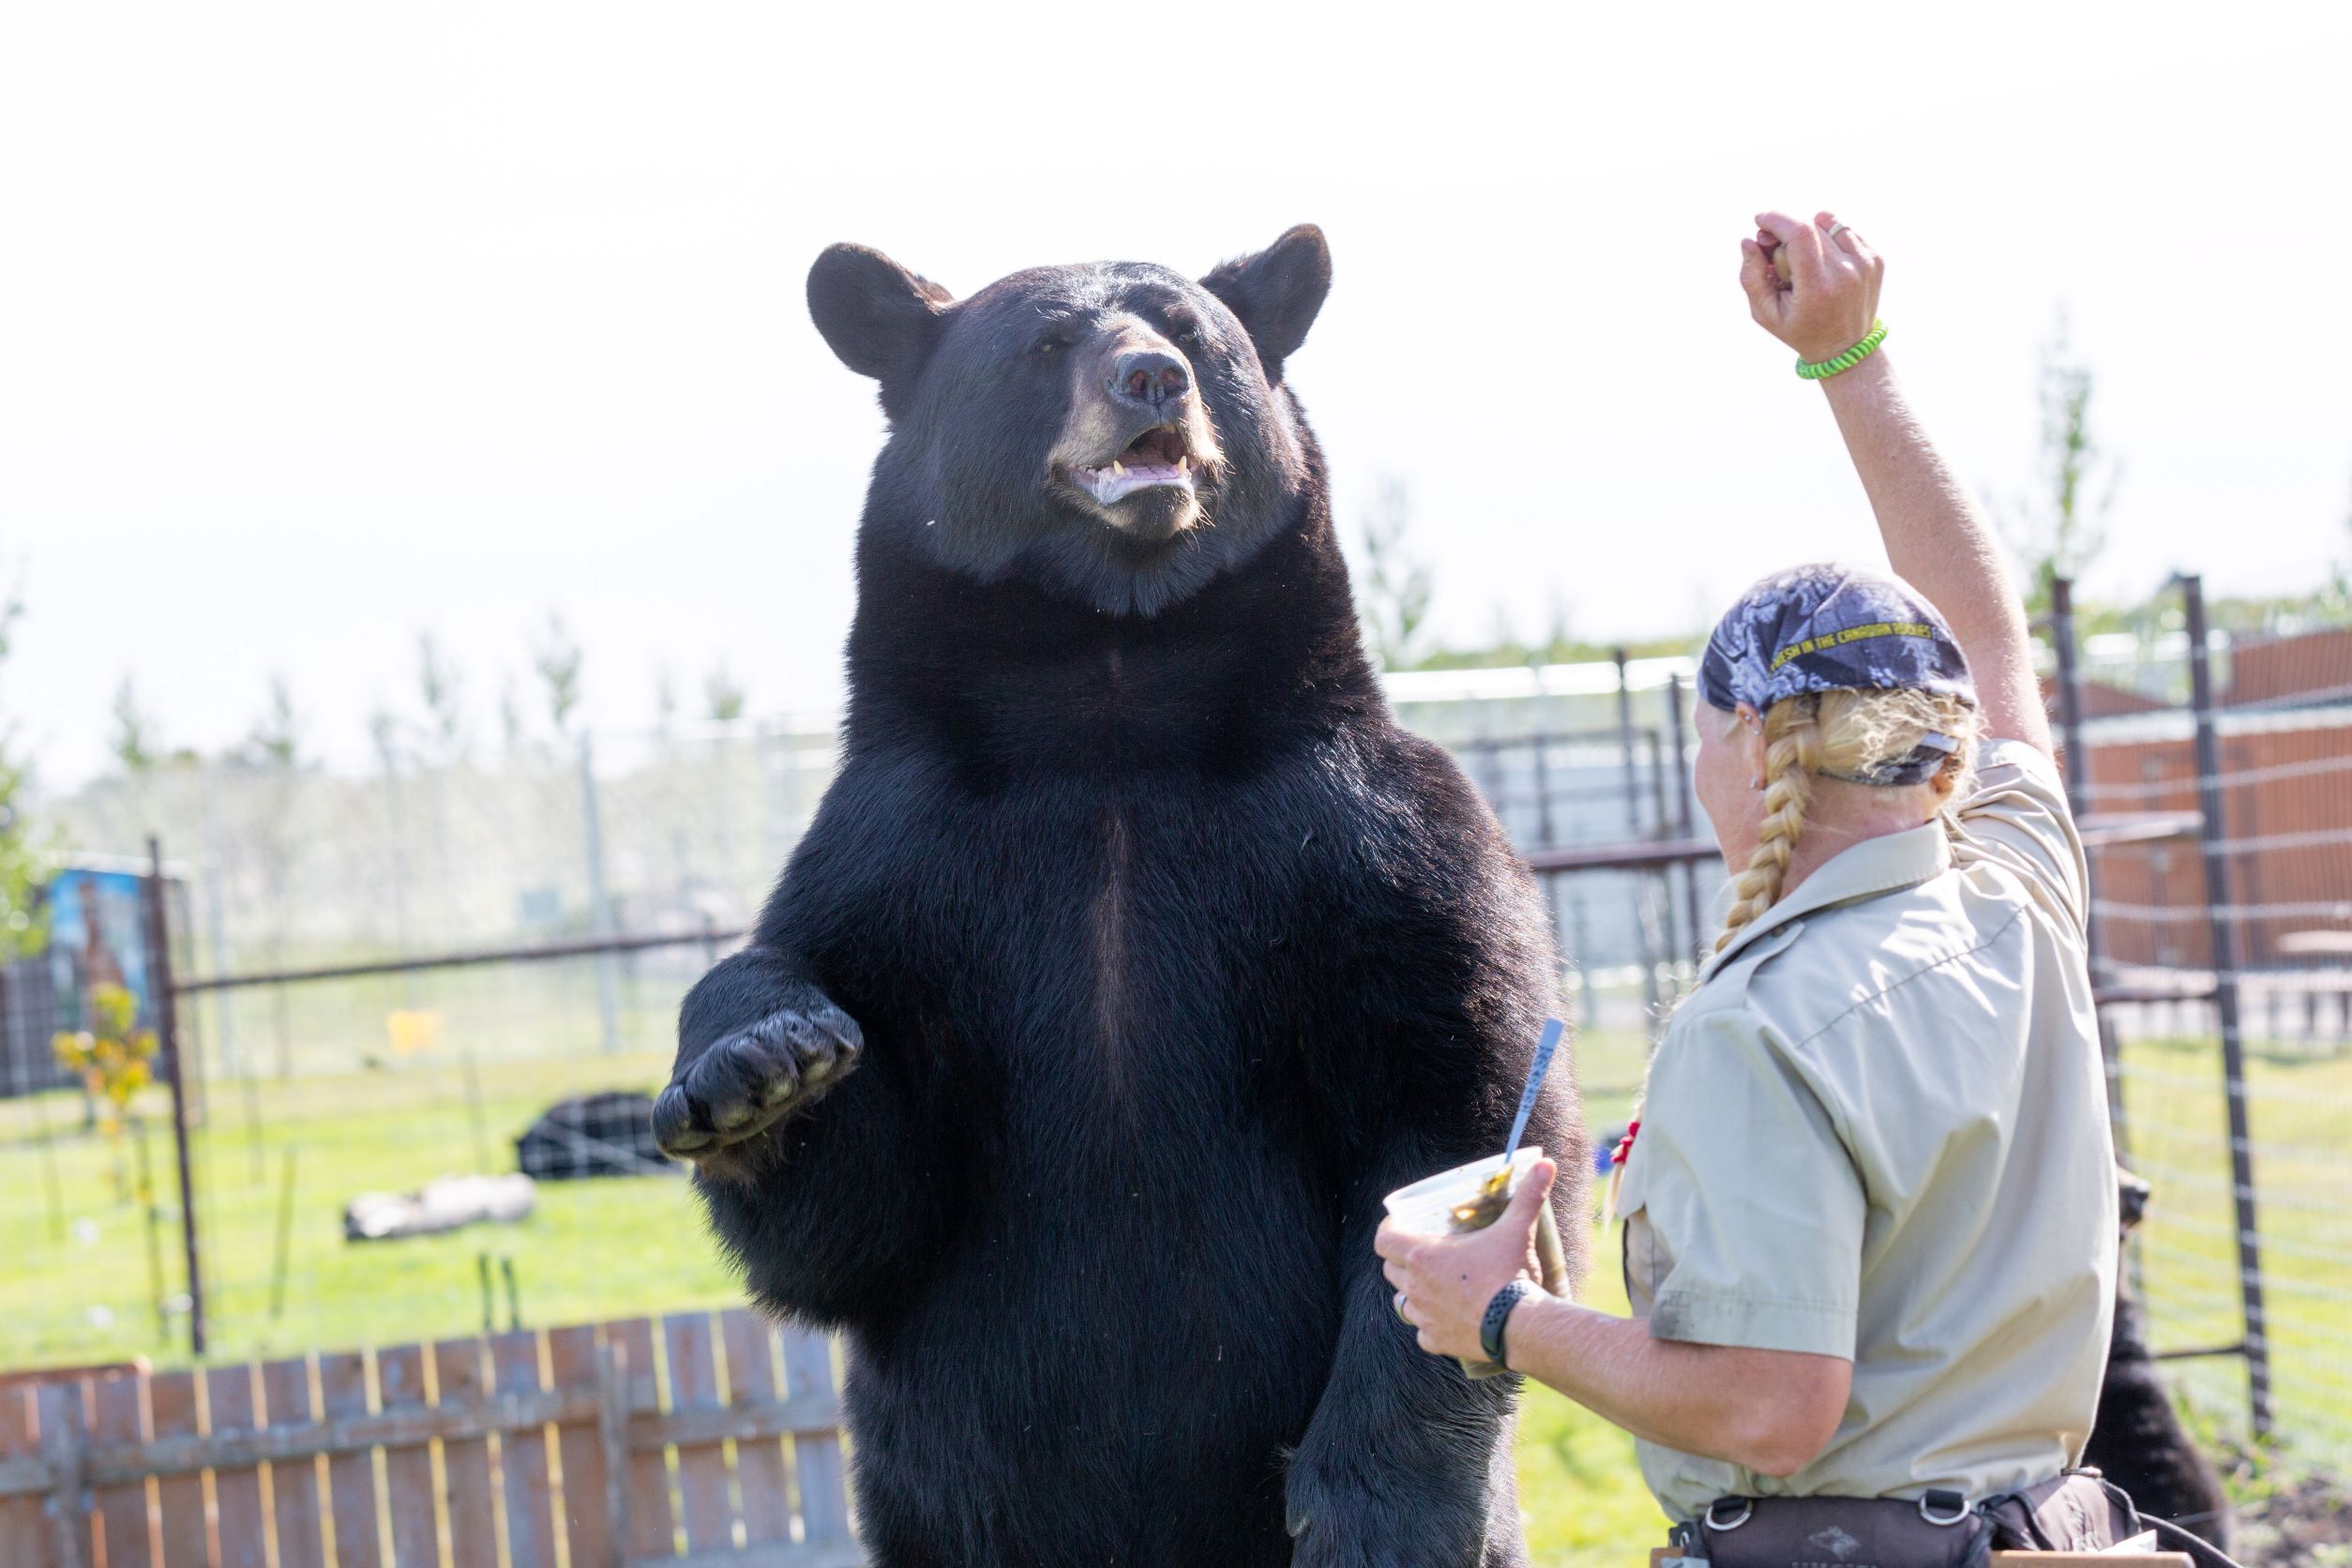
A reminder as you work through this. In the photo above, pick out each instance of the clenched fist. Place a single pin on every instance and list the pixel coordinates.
(1830, 296)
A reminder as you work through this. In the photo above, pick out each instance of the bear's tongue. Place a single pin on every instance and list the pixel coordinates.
(1154, 457)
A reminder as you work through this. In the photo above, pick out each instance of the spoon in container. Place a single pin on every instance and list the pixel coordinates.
(1482, 1210)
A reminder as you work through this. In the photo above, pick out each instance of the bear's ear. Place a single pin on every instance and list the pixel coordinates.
(1277, 292)
(878, 317)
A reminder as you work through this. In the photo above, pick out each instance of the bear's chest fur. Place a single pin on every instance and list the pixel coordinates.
(1074, 953)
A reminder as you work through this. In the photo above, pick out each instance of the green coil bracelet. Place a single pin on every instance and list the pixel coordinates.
(1823, 370)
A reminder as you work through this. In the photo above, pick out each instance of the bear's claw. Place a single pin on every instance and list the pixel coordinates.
(742, 1084)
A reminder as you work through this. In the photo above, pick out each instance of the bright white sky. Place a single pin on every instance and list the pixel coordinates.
(321, 324)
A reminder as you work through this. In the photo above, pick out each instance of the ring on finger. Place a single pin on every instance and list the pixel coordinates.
(1838, 228)
(1400, 1304)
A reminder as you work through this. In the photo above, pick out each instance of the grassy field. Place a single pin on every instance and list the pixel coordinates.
(76, 1237)
(2299, 1112)
(78, 1288)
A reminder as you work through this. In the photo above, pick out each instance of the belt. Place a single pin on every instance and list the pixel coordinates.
(2076, 1511)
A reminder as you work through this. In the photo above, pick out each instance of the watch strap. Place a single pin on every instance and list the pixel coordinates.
(1498, 1309)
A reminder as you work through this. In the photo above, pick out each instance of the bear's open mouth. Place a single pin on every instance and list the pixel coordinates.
(1160, 456)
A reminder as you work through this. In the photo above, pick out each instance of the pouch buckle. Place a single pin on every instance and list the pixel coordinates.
(1957, 1505)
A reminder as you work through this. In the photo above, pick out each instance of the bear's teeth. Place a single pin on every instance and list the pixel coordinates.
(1117, 468)
(1183, 464)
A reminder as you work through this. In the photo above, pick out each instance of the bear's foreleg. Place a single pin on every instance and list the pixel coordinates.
(1396, 1467)
(806, 1155)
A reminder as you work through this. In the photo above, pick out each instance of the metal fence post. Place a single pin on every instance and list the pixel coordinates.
(599, 900)
(1645, 907)
(1683, 794)
(2070, 705)
(167, 1021)
(2072, 742)
(2222, 927)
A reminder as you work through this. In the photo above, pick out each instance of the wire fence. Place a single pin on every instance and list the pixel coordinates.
(586, 887)
(466, 967)
(2215, 783)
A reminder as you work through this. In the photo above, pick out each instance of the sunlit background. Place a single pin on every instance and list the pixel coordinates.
(425, 504)
(323, 325)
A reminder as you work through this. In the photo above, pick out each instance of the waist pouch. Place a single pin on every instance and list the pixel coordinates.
(1942, 1529)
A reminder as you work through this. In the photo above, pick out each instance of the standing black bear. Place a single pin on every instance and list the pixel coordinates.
(1133, 956)
(2137, 1441)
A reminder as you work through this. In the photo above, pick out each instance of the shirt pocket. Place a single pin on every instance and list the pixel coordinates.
(1637, 1242)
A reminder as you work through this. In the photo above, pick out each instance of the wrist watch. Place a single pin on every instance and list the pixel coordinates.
(1498, 1315)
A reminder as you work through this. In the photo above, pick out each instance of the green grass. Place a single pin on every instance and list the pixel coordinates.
(79, 1285)
(2299, 1113)
(76, 1285)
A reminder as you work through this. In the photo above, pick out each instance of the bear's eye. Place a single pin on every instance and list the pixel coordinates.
(1052, 343)
(1186, 333)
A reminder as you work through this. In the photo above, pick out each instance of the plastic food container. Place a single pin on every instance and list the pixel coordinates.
(1457, 1200)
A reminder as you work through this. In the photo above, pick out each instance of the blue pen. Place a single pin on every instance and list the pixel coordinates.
(1553, 1029)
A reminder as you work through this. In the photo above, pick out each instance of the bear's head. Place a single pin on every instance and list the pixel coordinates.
(1115, 433)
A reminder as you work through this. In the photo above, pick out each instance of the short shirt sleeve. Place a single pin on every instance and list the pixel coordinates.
(2016, 816)
(1753, 1202)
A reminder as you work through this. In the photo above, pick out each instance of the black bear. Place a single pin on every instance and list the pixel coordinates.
(1134, 954)
(2137, 1441)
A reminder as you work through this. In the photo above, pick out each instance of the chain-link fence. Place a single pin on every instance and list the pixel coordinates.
(445, 969)
(2215, 780)
(388, 984)
(585, 887)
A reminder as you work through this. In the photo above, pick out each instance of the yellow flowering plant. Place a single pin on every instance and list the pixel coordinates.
(113, 1057)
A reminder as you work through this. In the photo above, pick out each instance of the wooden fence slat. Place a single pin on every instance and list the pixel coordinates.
(503, 1410)
(533, 1515)
(407, 1500)
(293, 1486)
(239, 1523)
(565, 1445)
(650, 1528)
(24, 1532)
(123, 1516)
(824, 1505)
(571, 1359)
(467, 1483)
(709, 1519)
(760, 1475)
(64, 1419)
(182, 1520)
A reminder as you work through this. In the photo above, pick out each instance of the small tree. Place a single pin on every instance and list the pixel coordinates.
(510, 725)
(112, 1056)
(665, 701)
(275, 743)
(273, 752)
(2059, 532)
(723, 696)
(383, 730)
(557, 658)
(441, 687)
(24, 859)
(1395, 600)
(2338, 600)
(134, 742)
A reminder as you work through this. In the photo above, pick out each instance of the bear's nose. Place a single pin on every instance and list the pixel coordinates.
(1150, 378)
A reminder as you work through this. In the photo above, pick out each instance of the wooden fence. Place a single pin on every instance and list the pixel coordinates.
(700, 1440)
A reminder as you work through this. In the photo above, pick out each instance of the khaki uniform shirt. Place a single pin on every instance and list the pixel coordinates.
(1877, 1130)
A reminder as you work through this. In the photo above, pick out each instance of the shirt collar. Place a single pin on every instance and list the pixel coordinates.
(1884, 864)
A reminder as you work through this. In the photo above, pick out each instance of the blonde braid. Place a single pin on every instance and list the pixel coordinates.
(1792, 755)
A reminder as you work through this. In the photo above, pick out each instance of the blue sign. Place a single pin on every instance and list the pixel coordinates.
(98, 936)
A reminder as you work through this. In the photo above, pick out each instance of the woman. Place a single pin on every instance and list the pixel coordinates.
(1869, 1207)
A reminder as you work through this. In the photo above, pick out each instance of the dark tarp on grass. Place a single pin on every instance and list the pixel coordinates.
(609, 1134)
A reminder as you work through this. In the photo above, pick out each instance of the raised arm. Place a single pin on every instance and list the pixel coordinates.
(1935, 533)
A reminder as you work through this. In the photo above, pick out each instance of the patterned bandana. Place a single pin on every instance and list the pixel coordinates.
(1827, 628)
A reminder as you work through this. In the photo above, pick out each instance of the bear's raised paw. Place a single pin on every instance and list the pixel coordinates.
(742, 1083)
